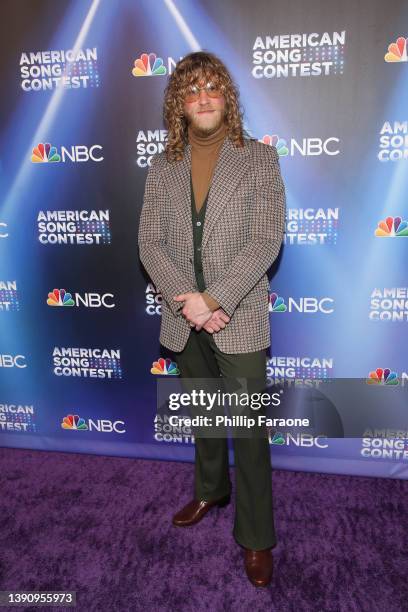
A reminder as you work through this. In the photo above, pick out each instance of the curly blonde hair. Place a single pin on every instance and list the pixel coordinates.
(190, 69)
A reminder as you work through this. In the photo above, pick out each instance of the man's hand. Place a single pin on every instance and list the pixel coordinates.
(195, 309)
(218, 321)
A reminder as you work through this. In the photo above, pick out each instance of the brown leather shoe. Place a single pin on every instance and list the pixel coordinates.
(259, 566)
(195, 510)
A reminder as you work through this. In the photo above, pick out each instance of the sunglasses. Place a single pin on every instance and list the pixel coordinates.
(193, 92)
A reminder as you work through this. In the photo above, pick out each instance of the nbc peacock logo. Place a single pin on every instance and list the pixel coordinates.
(74, 421)
(397, 51)
(165, 367)
(277, 142)
(382, 376)
(148, 64)
(277, 303)
(278, 439)
(392, 227)
(60, 297)
(45, 153)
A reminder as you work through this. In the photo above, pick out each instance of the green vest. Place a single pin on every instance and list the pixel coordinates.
(198, 225)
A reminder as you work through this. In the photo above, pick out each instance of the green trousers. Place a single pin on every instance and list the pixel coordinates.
(254, 521)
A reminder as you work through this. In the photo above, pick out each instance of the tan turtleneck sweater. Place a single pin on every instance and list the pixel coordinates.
(204, 155)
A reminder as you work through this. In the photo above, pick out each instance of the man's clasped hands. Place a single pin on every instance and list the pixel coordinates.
(197, 313)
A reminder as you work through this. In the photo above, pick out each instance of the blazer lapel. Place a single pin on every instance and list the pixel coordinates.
(230, 169)
(231, 166)
(176, 178)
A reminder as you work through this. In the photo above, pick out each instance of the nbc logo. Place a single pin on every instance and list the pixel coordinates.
(277, 304)
(74, 421)
(165, 366)
(44, 153)
(277, 142)
(60, 297)
(12, 361)
(306, 147)
(148, 64)
(307, 305)
(397, 51)
(382, 376)
(392, 227)
(299, 439)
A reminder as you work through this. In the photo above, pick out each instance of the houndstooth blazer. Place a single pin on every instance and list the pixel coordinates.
(242, 236)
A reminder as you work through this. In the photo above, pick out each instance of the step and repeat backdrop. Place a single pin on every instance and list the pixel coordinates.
(326, 83)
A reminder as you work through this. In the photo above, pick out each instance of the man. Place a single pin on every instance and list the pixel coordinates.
(211, 226)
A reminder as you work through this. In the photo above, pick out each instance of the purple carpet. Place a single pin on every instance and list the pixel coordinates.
(102, 526)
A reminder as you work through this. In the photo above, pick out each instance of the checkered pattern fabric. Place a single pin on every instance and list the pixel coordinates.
(242, 236)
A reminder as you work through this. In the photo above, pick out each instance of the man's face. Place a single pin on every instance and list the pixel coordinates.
(206, 114)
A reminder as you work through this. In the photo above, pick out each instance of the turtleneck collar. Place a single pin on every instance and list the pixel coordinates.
(199, 142)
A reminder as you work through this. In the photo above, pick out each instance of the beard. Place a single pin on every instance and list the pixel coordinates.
(205, 130)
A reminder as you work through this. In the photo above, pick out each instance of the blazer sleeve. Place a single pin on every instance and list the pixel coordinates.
(153, 252)
(267, 222)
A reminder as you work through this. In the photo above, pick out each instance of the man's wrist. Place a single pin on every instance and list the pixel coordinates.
(210, 301)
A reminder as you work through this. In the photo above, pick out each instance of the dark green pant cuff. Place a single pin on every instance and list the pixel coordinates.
(255, 545)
